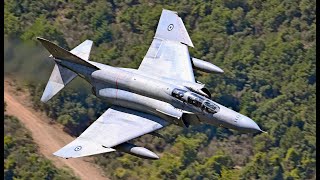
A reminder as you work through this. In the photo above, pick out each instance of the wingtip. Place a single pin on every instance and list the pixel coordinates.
(44, 100)
(175, 12)
(59, 155)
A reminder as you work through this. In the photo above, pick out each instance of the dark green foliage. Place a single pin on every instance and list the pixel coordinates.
(21, 159)
(266, 48)
(42, 28)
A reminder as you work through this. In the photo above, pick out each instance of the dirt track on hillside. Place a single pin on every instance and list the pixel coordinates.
(49, 137)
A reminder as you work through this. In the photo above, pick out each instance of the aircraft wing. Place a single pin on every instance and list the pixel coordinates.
(168, 55)
(115, 126)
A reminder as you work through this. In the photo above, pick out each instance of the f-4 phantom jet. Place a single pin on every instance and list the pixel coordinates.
(161, 92)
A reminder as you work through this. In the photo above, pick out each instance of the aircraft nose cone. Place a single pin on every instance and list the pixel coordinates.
(248, 125)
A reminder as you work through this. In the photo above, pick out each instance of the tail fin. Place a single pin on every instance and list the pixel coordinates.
(60, 75)
(171, 27)
(62, 54)
(83, 50)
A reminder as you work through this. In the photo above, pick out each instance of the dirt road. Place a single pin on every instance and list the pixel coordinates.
(49, 137)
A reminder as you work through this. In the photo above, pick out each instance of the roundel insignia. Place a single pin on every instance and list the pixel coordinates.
(78, 148)
(170, 27)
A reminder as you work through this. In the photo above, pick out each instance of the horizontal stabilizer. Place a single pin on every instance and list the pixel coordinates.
(62, 54)
(81, 147)
(59, 78)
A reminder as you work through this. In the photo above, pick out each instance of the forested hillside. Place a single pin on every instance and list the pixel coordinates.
(266, 48)
(21, 159)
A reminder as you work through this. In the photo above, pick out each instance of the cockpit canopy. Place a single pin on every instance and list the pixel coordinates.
(201, 102)
(178, 93)
(195, 99)
(210, 107)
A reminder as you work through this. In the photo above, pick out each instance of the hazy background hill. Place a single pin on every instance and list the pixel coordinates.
(267, 50)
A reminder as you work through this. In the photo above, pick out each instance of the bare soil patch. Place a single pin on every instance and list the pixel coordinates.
(47, 135)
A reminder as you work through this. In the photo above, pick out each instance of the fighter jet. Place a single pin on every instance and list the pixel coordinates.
(161, 92)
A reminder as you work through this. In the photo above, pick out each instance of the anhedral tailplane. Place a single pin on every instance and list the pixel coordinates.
(59, 78)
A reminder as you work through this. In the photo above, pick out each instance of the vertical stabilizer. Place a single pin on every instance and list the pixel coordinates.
(60, 75)
(59, 78)
(83, 50)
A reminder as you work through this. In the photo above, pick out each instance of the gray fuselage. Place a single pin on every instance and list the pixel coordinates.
(166, 98)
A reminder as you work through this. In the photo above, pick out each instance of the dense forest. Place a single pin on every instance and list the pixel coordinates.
(266, 48)
(21, 159)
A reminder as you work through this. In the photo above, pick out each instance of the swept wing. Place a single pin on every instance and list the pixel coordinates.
(168, 54)
(115, 126)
